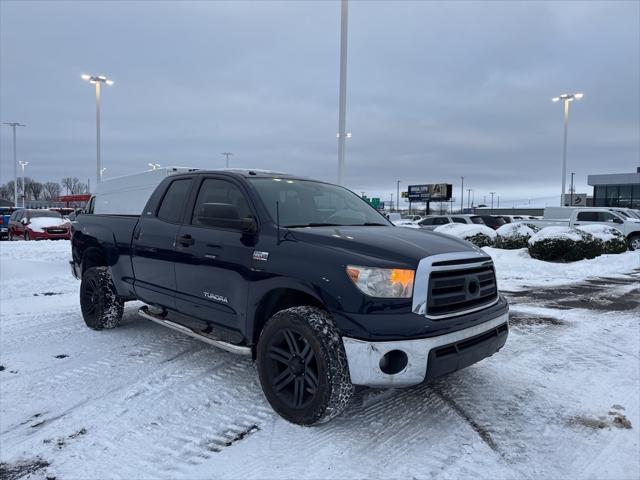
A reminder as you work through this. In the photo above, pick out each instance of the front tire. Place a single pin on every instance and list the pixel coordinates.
(27, 237)
(101, 306)
(303, 366)
(634, 242)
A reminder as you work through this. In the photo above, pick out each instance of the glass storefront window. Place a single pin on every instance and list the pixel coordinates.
(612, 196)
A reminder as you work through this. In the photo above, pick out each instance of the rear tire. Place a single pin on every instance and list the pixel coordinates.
(634, 242)
(27, 237)
(303, 366)
(101, 306)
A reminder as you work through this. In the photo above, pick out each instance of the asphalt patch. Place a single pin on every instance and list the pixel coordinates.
(14, 471)
(63, 355)
(519, 319)
(46, 294)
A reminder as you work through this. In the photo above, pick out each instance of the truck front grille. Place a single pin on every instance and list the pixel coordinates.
(455, 291)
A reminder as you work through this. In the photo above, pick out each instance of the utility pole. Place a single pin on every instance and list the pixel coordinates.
(462, 196)
(342, 100)
(398, 195)
(492, 194)
(571, 189)
(227, 155)
(13, 125)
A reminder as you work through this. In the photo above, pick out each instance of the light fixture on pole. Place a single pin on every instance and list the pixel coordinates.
(98, 80)
(227, 155)
(342, 100)
(154, 166)
(13, 126)
(24, 190)
(566, 98)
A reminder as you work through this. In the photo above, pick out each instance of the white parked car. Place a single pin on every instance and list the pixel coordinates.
(431, 222)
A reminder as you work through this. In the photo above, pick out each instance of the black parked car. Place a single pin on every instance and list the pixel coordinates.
(493, 221)
(304, 276)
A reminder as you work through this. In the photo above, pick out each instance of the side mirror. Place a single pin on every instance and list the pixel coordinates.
(225, 215)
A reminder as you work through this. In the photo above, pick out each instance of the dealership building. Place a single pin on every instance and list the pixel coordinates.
(616, 189)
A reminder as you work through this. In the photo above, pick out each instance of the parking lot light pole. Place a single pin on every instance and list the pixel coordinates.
(397, 195)
(97, 80)
(24, 190)
(571, 189)
(566, 98)
(13, 126)
(461, 197)
(492, 194)
(342, 100)
(468, 199)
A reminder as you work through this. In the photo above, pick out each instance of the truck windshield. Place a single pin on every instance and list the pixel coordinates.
(305, 203)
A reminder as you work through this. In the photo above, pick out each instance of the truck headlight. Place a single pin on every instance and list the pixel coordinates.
(382, 282)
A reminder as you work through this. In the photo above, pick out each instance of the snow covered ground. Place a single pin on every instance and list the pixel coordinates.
(141, 401)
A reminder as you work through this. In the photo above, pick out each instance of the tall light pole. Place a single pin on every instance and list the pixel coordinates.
(566, 98)
(342, 101)
(492, 194)
(24, 191)
(462, 196)
(468, 199)
(397, 195)
(227, 155)
(97, 80)
(13, 125)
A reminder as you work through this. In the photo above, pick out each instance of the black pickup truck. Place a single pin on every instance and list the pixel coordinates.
(320, 288)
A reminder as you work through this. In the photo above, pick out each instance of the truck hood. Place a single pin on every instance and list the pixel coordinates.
(399, 244)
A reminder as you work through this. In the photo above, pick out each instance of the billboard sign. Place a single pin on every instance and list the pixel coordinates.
(575, 200)
(430, 192)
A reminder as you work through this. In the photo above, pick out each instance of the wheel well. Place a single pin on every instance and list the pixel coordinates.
(93, 257)
(280, 299)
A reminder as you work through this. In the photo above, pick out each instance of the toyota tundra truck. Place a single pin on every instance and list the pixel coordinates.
(319, 288)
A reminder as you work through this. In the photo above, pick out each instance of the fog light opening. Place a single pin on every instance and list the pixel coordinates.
(393, 362)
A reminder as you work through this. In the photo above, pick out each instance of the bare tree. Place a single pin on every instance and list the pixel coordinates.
(35, 188)
(6, 191)
(67, 182)
(51, 191)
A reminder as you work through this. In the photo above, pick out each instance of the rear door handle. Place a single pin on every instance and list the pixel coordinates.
(186, 240)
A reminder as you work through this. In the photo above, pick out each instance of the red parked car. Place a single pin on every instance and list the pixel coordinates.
(30, 224)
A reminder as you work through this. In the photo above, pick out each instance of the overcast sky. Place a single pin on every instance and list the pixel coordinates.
(436, 90)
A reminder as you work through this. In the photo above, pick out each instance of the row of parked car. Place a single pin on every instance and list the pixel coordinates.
(34, 224)
(431, 222)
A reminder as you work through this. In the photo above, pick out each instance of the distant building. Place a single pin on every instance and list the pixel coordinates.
(616, 189)
(5, 203)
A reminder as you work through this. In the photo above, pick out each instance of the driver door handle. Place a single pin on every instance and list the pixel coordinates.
(186, 240)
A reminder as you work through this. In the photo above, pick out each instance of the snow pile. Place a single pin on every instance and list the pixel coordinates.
(479, 235)
(516, 270)
(612, 239)
(514, 235)
(38, 224)
(406, 224)
(556, 233)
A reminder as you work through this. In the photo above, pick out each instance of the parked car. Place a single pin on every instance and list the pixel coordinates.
(5, 215)
(303, 276)
(31, 224)
(493, 221)
(630, 227)
(433, 221)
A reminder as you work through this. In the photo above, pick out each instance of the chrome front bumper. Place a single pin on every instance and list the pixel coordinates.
(364, 357)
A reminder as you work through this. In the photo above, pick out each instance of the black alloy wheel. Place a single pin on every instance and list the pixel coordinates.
(292, 368)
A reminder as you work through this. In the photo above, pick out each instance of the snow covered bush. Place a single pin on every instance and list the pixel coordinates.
(563, 244)
(612, 239)
(479, 235)
(514, 235)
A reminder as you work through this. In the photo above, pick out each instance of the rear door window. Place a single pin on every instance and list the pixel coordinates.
(174, 200)
(588, 217)
(440, 221)
(216, 191)
(458, 220)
